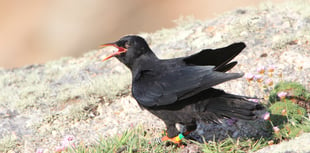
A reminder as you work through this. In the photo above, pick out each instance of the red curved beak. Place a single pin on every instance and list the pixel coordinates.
(120, 50)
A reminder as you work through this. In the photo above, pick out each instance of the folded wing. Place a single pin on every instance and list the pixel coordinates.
(177, 84)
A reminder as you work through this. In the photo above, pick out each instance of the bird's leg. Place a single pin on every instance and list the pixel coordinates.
(172, 131)
(190, 128)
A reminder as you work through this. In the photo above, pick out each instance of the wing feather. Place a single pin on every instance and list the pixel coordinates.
(217, 57)
(177, 84)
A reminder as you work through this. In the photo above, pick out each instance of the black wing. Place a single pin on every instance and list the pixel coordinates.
(217, 57)
(153, 89)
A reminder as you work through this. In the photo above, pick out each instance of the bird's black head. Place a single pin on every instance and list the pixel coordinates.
(129, 48)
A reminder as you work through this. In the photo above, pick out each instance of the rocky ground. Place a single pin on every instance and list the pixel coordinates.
(87, 98)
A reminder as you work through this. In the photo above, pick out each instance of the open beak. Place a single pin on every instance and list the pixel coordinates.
(120, 50)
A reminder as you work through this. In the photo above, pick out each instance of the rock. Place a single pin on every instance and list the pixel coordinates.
(298, 145)
(52, 96)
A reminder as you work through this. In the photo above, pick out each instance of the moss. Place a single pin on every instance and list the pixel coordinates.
(83, 111)
(295, 130)
(8, 143)
(293, 88)
(293, 111)
(292, 123)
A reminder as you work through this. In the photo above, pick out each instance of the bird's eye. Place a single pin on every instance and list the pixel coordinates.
(127, 44)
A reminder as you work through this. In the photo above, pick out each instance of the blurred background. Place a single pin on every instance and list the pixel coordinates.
(35, 31)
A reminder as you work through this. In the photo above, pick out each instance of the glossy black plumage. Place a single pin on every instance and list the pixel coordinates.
(180, 90)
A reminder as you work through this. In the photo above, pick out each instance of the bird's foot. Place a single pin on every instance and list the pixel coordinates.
(175, 140)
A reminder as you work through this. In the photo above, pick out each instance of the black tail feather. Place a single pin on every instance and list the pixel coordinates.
(233, 106)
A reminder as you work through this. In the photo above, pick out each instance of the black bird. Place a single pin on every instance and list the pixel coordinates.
(179, 90)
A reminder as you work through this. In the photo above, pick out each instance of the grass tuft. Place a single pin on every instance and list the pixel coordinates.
(133, 140)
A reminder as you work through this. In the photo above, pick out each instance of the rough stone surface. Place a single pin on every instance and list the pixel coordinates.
(297, 145)
(87, 98)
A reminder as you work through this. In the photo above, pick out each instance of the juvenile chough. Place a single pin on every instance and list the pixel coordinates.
(180, 90)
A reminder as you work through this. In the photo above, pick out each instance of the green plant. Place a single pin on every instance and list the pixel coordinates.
(289, 109)
(293, 88)
(287, 119)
